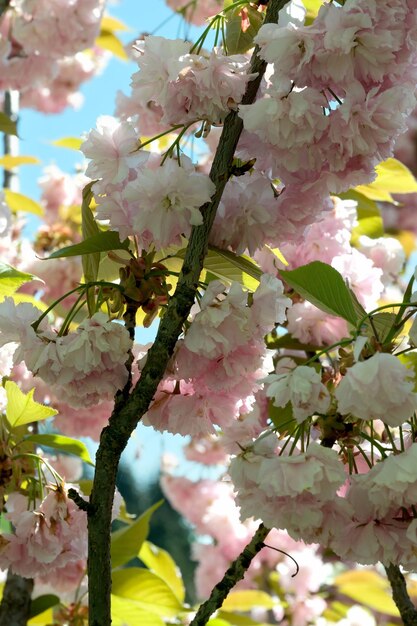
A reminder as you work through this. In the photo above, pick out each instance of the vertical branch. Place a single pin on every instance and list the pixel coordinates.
(16, 600)
(11, 142)
(127, 414)
(400, 595)
(15, 604)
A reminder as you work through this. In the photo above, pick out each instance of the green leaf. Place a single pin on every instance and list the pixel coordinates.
(282, 417)
(9, 162)
(324, 287)
(72, 143)
(107, 40)
(370, 222)
(392, 177)
(382, 323)
(127, 542)
(288, 342)
(103, 242)
(64, 444)
(237, 40)
(43, 603)
(22, 408)
(147, 590)
(46, 618)
(368, 588)
(7, 125)
(231, 267)
(19, 202)
(246, 600)
(237, 619)
(126, 612)
(163, 565)
(5, 525)
(11, 279)
(89, 228)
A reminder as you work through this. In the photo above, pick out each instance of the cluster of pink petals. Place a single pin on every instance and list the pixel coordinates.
(62, 90)
(303, 388)
(379, 388)
(84, 367)
(187, 87)
(60, 190)
(246, 217)
(51, 537)
(210, 506)
(277, 488)
(48, 75)
(219, 364)
(345, 64)
(75, 24)
(370, 518)
(138, 193)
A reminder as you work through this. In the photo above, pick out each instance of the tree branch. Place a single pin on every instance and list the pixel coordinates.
(15, 604)
(127, 414)
(400, 595)
(236, 572)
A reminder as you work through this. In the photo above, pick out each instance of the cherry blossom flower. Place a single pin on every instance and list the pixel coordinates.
(303, 388)
(392, 398)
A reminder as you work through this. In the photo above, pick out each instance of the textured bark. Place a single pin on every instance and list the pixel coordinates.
(128, 412)
(400, 595)
(236, 572)
(15, 604)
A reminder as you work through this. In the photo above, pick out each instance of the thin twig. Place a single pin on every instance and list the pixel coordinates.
(236, 572)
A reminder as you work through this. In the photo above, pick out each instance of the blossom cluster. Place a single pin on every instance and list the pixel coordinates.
(49, 76)
(87, 366)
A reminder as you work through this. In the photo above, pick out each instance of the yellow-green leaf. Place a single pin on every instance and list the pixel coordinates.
(7, 125)
(43, 619)
(126, 612)
(22, 408)
(246, 600)
(9, 162)
(11, 279)
(112, 23)
(367, 588)
(163, 565)
(312, 7)
(127, 542)
(19, 202)
(277, 252)
(24, 297)
(73, 143)
(63, 444)
(109, 41)
(370, 222)
(392, 177)
(147, 590)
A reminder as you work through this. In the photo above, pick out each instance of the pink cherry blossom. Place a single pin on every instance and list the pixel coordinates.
(75, 25)
(392, 398)
(303, 388)
(50, 537)
(114, 149)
